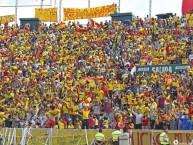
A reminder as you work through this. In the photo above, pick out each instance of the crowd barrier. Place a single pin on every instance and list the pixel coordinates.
(80, 137)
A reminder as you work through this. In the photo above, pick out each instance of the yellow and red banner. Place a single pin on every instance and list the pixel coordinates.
(81, 30)
(7, 19)
(47, 14)
(87, 13)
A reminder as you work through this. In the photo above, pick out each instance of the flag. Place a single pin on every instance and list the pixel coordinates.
(81, 30)
(94, 23)
(61, 25)
(187, 6)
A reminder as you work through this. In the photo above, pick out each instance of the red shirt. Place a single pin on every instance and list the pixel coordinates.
(91, 122)
(91, 94)
(191, 110)
(191, 62)
(168, 48)
(105, 90)
(64, 122)
(188, 99)
(145, 121)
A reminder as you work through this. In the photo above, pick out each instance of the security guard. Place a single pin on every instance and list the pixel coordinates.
(124, 138)
(99, 138)
(164, 140)
(115, 136)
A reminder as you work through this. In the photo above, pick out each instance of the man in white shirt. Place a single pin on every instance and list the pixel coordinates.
(191, 56)
(138, 119)
(124, 138)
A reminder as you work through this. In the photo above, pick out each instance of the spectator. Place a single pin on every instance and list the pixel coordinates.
(173, 123)
(8, 122)
(108, 109)
(138, 122)
(145, 121)
(85, 122)
(96, 108)
(186, 122)
(152, 118)
(113, 124)
(91, 122)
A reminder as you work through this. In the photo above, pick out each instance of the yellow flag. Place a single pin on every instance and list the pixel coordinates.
(7, 19)
(47, 14)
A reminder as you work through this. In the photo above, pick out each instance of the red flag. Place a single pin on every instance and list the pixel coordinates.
(187, 6)
(94, 23)
(81, 30)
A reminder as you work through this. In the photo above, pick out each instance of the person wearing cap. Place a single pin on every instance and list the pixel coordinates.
(115, 136)
(124, 138)
(100, 138)
(163, 137)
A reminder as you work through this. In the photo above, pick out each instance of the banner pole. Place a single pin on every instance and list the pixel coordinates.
(55, 3)
(16, 7)
(41, 5)
(119, 5)
(150, 8)
(51, 3)
(88, 3)
(89, 20)
(60, 11)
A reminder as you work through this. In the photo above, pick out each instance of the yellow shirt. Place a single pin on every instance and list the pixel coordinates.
(70, 126)
(110, 86)
(85, 114)
(65, 110)
(75, 109)
(100, 94)
(129, 96)
(60, 125)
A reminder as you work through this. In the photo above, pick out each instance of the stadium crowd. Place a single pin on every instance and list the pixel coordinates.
(61, 78)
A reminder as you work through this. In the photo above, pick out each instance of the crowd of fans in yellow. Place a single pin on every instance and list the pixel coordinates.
(57, 77)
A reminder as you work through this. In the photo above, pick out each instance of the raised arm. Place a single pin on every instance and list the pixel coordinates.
(134, 112)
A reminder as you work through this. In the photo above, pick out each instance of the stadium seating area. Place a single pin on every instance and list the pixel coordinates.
(65, 76)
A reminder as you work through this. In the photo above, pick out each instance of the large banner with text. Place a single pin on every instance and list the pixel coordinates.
(163, 68)
(7, 19)
(72, 136)
(47, 14)
(87, 13)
